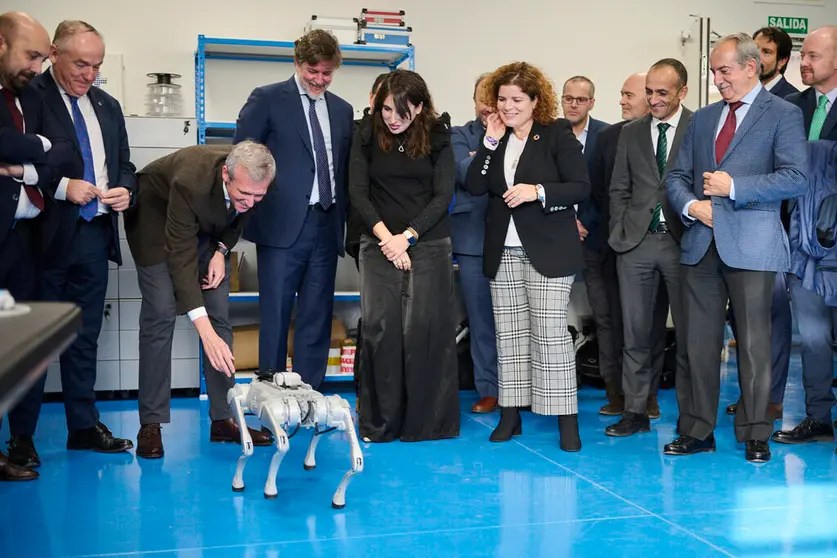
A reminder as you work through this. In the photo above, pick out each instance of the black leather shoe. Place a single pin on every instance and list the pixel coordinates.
(22, 452)
(731, 409)
(757, 451)
(11, 472)
(686, 445)
(808, 430)
(97, 438)
(510, 425)
(630, 424)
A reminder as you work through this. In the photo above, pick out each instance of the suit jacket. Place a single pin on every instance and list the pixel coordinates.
(601, 172)
(807, 101)
(467, 216)
(588, 213)
(637, 187)
(552, 157)
(121, 172)
(274, 116)
(783, 88)
(767, 159)
(180, 200)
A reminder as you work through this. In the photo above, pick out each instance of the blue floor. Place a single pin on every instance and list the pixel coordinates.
(463, 497)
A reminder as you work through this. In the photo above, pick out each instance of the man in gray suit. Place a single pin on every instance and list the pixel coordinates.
(740, 158)
(645, 232)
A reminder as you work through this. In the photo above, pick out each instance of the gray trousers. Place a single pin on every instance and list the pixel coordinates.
(656, 258)
(157, 317)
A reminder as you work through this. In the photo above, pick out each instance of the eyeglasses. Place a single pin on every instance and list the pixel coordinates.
(569, 99)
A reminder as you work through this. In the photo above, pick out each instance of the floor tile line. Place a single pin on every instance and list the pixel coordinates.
(612, 493)
(370, 536)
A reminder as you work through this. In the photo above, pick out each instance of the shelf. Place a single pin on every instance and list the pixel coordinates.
(245, 377)
(217, 48)
(253, 296)
(219, 129)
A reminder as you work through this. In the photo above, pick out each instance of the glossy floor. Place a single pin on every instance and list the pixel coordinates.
(463, 497)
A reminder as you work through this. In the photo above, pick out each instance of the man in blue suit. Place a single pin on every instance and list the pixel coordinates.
(740, 158)
(467, 231)
(775, 47)
(298, 227)
(89, 200)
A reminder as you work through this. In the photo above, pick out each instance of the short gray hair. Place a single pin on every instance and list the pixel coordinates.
(582, 79)
(746, 49)
(69, 28)
(256, 160)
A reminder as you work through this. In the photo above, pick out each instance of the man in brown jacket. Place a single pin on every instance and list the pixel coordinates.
(191, 208)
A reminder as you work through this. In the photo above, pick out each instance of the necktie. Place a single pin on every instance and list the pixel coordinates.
(89, 210)
(32, 192)
(320, 156)
(231, 215)
(816, 122)
(662, 155)
(727, 132)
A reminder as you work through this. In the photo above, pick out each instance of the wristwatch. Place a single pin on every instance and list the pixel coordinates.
(223, 250)
(411, 238)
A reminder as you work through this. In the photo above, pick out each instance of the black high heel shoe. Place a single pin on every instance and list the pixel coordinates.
(568, 429)
(510, 425)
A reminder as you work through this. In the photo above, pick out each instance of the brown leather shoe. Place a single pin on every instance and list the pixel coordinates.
(11, 472)
(226, 430)
(653, 407)
(485, 405)
(150, 441)
(615, 402)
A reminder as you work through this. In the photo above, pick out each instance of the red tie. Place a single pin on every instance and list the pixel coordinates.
(727, 133)
(32, 193)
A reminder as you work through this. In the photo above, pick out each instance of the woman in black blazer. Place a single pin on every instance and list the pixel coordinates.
(533, 169)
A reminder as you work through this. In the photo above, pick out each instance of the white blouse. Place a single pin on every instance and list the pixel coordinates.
(514, 149)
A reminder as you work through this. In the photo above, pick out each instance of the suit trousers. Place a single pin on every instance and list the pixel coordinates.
(706, 287)
(157, 321)
(305, 270)
(781, 334)
(649, 282)
(603, 295)
(535, 353)
(816, 323)
(476, 294)
(409, 385)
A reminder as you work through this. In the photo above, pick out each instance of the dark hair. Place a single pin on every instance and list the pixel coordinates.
(378, 81)
(406, 87)
(532, 82)
(677, 66)
(480, 79)
(583, 79)
(316, 46)
(784, 44)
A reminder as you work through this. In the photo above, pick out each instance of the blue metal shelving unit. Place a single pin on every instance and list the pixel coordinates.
(215, 48)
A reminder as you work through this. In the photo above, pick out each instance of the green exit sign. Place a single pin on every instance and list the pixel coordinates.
(792, 25)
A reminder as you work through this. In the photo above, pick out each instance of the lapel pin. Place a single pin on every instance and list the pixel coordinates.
(536, 137)
(99, 103)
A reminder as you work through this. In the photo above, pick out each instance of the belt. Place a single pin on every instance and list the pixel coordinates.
(318, 207)
(661, 228)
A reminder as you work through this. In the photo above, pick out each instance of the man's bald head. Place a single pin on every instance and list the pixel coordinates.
(633, 102)
(24, 46)
(819, 59)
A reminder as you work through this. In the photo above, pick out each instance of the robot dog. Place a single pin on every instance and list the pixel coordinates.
(282, 401)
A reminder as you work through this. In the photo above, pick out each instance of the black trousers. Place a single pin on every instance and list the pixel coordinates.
(409, 384)
(706, 288)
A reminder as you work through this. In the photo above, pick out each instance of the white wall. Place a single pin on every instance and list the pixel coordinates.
(455, 40)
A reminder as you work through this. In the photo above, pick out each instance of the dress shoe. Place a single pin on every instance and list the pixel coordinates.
(630, 424)
(150, 441)
(757, 451)
(615, 402)
(22, 452)
(510, 425)
(485, 405)
(687, 445)
(568, 429)
(97, 438)
(11, 472)
(808, 430)
(226, 430)
(653, 407)
(775, 410)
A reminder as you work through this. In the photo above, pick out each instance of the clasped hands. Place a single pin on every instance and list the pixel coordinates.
(716, 183)
(395, 250)
(82, 192)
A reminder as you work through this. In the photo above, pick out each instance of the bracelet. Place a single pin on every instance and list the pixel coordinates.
(492, 141)
(413, 232)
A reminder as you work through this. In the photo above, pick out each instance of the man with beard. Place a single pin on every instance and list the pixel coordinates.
(298, 228)
(775, 47)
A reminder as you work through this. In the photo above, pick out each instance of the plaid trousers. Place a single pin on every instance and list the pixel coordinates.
(535, 353)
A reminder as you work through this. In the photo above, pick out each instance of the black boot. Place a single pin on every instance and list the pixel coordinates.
(568, 429)
(510, 425)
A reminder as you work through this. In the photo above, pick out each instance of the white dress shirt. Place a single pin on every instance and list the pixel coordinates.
(321, 108)
(772, 83)
(25, 208)
(97, 145)
(673, 122)
(200, 311)
(582, 137)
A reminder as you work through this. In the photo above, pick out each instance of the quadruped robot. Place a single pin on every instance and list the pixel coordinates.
(282, 401)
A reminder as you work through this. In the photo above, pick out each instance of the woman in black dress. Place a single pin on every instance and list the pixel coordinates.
(401, 179)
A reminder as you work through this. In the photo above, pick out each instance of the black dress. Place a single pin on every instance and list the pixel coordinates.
(408, 375)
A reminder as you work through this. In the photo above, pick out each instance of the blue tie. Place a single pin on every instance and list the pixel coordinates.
(89, 210)
(320, 156)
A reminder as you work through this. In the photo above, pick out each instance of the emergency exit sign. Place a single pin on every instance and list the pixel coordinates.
(791, 25)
